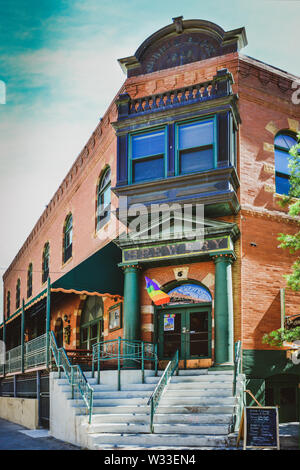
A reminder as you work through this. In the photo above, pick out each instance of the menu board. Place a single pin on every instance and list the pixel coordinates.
(261, 427)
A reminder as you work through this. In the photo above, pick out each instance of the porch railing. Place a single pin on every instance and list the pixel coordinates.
(34, 355)
(123, 354)
(74, 374)
(237, 363)
(161, 386)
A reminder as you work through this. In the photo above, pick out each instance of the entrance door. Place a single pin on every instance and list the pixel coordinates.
(185, 329)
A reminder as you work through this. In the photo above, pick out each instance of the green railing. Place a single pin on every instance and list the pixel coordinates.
(34, 355)
(123, 354)
(13, 360)
(160, 387)
(237, 363)
(35, 352)
(239, 386)
(74, 374)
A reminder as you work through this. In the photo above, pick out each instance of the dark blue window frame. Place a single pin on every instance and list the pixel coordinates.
(203, 146)
(148, 162)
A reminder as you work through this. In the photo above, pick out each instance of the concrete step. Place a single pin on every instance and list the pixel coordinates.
(190, 386)
(160, 418)
(97, 440)
(115, 395)
(216, 379)
(197, 401)
(178, 428)
(144, 409)
(99, 403)
(199, 392)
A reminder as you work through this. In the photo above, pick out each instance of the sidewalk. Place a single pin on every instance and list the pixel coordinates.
(16, 437)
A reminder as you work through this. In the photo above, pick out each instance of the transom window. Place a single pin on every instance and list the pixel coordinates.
(103, 199)
(45, 262)
(147, 156)
(29, 281)
(283, 143)
(195, 146)
(68, 236)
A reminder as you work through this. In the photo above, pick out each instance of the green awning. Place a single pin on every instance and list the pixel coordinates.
(98, 273)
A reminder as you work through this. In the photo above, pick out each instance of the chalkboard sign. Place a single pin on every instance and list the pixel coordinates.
(261, 427)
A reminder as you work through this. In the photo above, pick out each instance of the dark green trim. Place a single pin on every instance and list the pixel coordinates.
(266, 363)
(48, 319)
(22, 336)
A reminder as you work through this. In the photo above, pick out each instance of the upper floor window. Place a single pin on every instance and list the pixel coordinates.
(8, 304)
(147, 156)
(18, 293)
(283, 143)
(29, 280)
(103, 199)
(196, 146)
(68, 236)
(45, 262)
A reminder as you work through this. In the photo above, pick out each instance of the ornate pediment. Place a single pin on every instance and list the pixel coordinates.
(181, 43)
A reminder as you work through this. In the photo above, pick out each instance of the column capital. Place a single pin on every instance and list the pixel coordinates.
(127, 266)
(227, 257)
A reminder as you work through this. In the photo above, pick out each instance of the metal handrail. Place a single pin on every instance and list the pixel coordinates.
(160, 387)
(237, 363)
(133, 352)
(75, 376)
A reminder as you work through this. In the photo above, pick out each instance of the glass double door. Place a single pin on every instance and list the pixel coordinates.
(185, 329)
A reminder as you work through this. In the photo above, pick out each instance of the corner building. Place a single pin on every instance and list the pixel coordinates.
(195, 124)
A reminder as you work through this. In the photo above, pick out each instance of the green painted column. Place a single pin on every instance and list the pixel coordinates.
(48, 319)
(22, 336)
(132, 322)
(223, 308)
(4, 341)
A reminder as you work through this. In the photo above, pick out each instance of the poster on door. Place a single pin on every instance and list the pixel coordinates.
(169, 322)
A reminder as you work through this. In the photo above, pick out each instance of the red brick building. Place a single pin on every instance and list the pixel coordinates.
(196, 122)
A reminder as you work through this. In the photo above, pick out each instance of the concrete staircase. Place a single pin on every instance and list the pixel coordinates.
(195, 411)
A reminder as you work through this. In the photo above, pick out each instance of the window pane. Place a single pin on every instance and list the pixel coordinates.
(196, 135)
(148, 144)
(285, 141)
(282, 185)
(94, 331)
(150, 169)
(281, 162)
(196, 160)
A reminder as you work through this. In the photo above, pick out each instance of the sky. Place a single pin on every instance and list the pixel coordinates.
(58, 60)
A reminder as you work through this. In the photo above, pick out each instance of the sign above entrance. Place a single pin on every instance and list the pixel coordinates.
(189, 294)
(176, 249)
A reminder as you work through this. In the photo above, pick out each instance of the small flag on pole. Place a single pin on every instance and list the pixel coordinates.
(157, 296)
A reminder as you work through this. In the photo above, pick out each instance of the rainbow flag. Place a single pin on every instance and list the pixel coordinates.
(157, 296)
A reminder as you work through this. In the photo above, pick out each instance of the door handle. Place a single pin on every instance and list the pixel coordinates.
(185, 330)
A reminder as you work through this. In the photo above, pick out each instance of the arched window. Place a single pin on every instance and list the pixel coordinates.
(45, 262)
(283, 142)
(29, 281)
(103, 199)
(8, 304)
(18, 293)
(68, 235)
